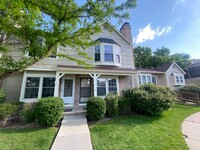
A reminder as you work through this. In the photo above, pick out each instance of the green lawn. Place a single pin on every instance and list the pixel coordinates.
(27, 139)
(143, 132)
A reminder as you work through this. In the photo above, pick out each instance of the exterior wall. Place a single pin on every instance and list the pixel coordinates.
(193, 80)
(161, 80)
(12, 86)
(170, 77)
(125, 82)
(127, 61)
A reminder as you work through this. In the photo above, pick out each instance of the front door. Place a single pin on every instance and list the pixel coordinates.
(68, 91)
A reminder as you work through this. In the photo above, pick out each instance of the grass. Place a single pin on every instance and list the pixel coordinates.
(31, 139)
(143, 132)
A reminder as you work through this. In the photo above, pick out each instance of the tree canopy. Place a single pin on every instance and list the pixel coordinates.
(145, 58)
(58, 22)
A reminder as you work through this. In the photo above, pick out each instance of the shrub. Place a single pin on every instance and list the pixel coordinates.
(7, 110)
(152, 99)
(2, 96)
(28, 112)
(123, 105)
(128, 92)
(96, 108)
(112, 105)
(48, 111)
(191, 88)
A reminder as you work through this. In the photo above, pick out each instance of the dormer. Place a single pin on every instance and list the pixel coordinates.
(107, 52)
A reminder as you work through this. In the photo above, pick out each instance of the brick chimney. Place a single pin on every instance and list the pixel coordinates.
(126, 31)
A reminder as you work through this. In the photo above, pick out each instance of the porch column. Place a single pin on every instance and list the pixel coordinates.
(95, 77)
(58, 76)
(56, 85)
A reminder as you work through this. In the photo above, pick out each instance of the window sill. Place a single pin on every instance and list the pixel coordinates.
(179, 84)
(107, 64)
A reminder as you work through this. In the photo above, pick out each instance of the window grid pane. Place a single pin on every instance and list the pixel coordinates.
(112, 83)
(97, 53)
(149, 79)
(48, 87)
(108, 55)
(32, 87)
(101, 87)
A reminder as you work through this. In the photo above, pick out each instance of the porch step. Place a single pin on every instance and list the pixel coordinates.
(75, 112)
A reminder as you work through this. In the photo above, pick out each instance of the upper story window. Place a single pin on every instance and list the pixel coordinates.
(108, 53)
(97, 55)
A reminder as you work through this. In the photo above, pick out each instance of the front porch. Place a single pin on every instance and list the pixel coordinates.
(76, 85)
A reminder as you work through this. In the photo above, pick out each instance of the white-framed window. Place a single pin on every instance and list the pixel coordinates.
(179, 79)
(108, 53)
(37, 86)
(97, 54)
(146, 79)
(106, 86)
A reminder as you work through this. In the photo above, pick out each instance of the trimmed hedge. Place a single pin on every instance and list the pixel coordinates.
(123, 105)
(112, 105)
(151, 99)
(2, 96)
(48, 111)
(192, 88)
(96, 108)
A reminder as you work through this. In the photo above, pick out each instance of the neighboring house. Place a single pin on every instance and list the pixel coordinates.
(193, 73)
(170, 75)
(114, 70)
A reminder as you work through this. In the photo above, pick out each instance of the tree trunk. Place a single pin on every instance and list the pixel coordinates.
(1, 83)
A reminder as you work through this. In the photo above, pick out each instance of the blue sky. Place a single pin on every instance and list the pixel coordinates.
(171, 23)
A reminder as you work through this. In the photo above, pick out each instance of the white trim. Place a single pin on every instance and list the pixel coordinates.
(39, 69)
(174, 63)
(62, 88)
(26, 75)
(146, 77)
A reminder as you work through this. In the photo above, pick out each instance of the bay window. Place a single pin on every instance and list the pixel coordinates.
(97, 55)
(108, 53)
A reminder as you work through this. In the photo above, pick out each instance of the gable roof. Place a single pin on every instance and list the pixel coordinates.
(117, 31)
(164, 67)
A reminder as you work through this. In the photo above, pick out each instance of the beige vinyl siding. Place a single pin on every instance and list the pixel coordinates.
(126, 53)
(12, 87)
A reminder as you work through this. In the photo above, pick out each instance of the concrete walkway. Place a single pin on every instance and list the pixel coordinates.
(74, 134)
(191, 131)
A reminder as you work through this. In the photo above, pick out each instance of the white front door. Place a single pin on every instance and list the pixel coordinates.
(68, 90)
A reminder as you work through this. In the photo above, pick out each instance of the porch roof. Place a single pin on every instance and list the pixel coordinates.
(99, 70)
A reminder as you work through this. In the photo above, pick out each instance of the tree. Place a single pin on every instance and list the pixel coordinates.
(144, 57)
(57, 22)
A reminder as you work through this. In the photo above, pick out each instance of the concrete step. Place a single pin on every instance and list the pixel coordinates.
(75, 112)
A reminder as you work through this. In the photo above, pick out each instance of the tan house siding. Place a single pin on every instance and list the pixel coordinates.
(77, 90)
(161, 80)
(12, 86)
(125, 82)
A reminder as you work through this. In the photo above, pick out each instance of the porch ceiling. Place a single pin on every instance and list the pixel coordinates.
(99, 70)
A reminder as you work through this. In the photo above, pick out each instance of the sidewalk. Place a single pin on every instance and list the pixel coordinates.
(191, 131)
(74, 134)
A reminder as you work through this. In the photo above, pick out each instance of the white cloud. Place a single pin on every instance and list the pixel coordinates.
(177, 2)
(147, 33)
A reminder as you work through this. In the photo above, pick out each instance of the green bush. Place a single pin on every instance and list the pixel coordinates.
(152, 99)
(7, 110)
(128, 92)
(123, 105)
(48, 111)
(96, 108)
(112, 105)
(192, 88)
(28, 112)
(2, 96)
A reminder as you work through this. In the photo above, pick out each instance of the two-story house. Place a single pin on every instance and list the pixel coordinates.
(114, 70)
